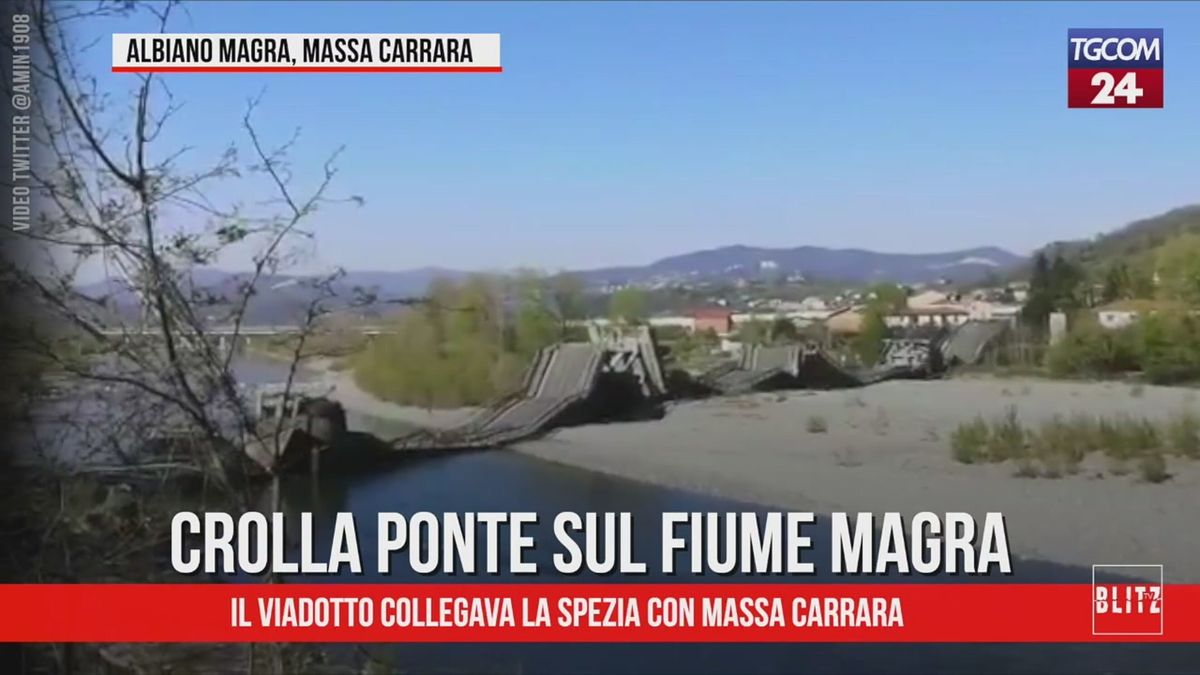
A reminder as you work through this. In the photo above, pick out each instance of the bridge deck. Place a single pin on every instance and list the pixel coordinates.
(810, 367)
(560, 376)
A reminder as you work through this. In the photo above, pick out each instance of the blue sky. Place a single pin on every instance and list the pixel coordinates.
(623, 132)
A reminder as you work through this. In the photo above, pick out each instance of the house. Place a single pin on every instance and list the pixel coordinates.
(717, 319)
(668, 321)
(1122, 313)
(987, 310)
(929, 315)
(931, 298)
(845, 321)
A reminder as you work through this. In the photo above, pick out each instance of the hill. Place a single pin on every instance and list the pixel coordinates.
(282, 299)
(854, 266)
(1135, 244)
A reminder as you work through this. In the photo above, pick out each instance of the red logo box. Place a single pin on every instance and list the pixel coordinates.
(1114, 88)
(1127, 608)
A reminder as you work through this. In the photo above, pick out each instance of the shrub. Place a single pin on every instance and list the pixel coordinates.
(817, 425)
(1090, 349)
(1183, 431)
(437, 358)
(1026, 468)
(1110, 439)
(1153, 467)
(1059, 446)
(1126, 438)
(968, 441)
(1087, 433)
(1142, 437)
(1164, 345)
(1168, 345)
(1007, 440)
(1118, 466)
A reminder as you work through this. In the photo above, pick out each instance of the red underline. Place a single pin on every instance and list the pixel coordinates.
(307, 69)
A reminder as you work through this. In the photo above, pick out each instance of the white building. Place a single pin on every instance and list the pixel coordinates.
(934, 315)
(1122, 313)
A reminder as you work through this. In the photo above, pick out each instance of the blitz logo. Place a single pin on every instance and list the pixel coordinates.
(1114, 68)
(1127, 607)
(1128, 599)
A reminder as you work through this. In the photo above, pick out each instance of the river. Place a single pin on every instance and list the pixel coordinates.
(506, 481)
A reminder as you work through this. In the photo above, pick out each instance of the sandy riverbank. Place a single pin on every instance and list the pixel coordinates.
(343, 389)
(887, 449)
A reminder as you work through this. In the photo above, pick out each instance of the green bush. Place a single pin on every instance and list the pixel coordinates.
(1007, 440)
(1183, 432)
(458, 350)
(1089, 349)
(1168, 345)
(1165, 346)
(1060, 447)
(968, 441)
(1142, 437)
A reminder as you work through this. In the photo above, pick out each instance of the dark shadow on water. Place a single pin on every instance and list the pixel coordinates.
(506, 481)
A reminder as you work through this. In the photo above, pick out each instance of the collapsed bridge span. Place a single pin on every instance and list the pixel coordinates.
(567, 383)
(771, 367)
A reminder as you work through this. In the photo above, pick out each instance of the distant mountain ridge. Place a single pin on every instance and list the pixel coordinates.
(815, 263)
(279, 299)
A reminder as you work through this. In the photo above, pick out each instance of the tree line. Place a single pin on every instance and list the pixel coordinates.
(1164, 286)
(469, 341)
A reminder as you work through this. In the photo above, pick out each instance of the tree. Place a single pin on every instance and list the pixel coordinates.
(1065, 281)
(628, 305)
(110, 197)
(536, 325)
(567, 294)
(783, 330)
(888, 296)
(1117, 283)
(1179, 270)
(1053, 287)
(458, 348)
(868, 344)
(754, 332)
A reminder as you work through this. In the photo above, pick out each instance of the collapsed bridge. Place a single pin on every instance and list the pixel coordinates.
(808, 366)
(612, 377)
(618, 376)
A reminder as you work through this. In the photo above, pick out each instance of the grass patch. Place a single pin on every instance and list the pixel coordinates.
(1183, 434)
(968, 441)
(1118, 466)
(1058, 446)
(1026, 468)
(1007, 438)
(1153, 467)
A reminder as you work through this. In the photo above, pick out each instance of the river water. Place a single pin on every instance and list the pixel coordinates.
(501, 480)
